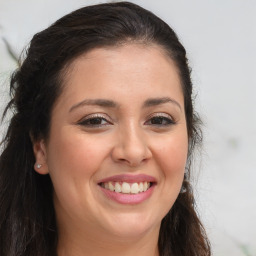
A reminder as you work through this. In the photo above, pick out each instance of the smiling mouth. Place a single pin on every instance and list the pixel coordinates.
(126, 188)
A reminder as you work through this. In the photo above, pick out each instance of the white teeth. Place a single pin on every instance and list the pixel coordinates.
(111, 187)
(141, 186)
(145, 186)
(135, 188)
(127, 188)
(118, 187)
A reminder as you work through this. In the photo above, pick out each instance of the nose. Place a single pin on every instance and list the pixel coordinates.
(131, 147)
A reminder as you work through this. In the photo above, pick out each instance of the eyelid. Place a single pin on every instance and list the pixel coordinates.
(166, 118)
(161, 114)
(95, 115)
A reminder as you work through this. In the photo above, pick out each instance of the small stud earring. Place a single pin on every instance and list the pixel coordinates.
(38, 166)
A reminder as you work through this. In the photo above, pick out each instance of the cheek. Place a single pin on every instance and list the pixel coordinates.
(74, 153)
(171, 157)
(73, 162)
(172, 153)
(74, 159)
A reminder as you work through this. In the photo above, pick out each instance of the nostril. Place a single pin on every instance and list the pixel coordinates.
(131, 152)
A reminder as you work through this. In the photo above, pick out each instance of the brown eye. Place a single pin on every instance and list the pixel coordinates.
(160, 121)
(94, 122)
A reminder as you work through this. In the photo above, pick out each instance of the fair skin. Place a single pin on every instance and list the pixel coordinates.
(120, 119)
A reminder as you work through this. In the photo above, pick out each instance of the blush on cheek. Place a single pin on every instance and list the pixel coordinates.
(172, 158)
(173, 153)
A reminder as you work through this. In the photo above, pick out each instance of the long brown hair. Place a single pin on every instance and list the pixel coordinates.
(27, 216)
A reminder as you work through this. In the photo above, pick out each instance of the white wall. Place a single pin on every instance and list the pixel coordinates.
(220, 37)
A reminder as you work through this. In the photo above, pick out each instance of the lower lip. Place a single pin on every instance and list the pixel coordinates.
(128, 198)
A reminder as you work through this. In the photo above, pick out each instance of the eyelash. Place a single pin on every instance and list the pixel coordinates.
(162, 117)
(95, 121)
(94, 118)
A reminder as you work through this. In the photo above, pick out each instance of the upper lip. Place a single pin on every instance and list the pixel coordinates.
(129, 178)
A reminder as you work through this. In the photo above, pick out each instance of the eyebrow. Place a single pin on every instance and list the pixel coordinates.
(111, 104)
(95, 102)
(159, 101)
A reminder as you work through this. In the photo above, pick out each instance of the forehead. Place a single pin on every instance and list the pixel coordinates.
(133, 67)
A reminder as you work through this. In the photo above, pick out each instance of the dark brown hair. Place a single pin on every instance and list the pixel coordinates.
(27, 216)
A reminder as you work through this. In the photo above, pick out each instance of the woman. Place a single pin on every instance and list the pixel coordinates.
(96, 159)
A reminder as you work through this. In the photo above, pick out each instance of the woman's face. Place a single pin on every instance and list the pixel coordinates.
(118, 142)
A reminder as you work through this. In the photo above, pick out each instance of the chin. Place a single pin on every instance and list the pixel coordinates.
(131, 225)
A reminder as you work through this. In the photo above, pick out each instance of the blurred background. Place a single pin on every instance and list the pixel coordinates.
(220, 38)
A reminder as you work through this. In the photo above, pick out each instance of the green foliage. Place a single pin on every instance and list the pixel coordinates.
(10, 50)
(245, 250)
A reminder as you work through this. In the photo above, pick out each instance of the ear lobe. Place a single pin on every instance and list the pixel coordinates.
(39, 149)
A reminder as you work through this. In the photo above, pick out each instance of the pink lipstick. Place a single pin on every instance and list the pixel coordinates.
(128, 189)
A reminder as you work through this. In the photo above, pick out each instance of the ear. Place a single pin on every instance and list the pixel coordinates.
(41, 165)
